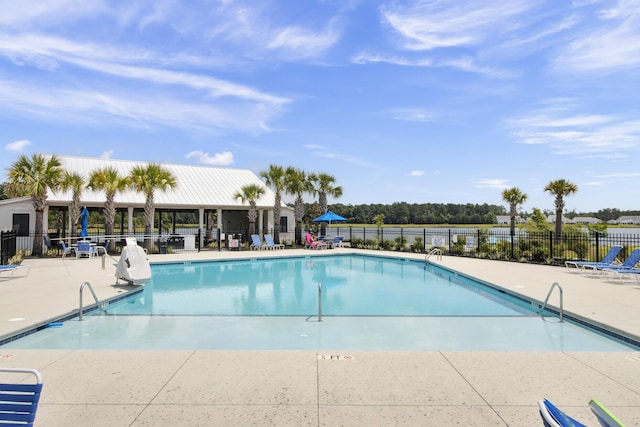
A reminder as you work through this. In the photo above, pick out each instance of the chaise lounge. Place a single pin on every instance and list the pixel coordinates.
(606, 261)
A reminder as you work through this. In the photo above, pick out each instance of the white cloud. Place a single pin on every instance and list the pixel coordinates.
(299, 42)
(412, 115)
(491, 183)
(219, 159)
(608, 45)
(416, 173)
(18, 146)
(432, 24)
(106, 154)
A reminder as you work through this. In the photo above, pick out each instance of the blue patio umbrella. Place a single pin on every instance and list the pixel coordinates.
(84, 222)
(329, 217)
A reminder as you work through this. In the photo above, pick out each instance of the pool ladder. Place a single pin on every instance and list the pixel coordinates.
(434, 251)
(544, 305)
(95, 298)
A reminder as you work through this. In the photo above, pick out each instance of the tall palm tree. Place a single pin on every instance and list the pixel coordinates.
(298, 183)
(111, 182)
(323, 187)
(250, 194)
(75, 183)
(34, 177)
(147, 179)
(560, 188)
(514, 197)
(275, 178)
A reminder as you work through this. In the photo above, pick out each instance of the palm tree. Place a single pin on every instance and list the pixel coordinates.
(147, 179)
(250, 194)
(275, 177)
(514, 197)
(109, 180)
(33, 177)
(560, 188)
(74, 182)
(298, 183)
(323, 188)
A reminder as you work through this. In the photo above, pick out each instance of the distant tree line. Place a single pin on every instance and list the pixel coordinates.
(420, 213)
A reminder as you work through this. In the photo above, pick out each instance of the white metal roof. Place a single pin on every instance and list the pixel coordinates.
(197, 186)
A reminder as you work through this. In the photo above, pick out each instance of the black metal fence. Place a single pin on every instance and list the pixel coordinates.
(7, 246)
(493, 244)
(544, 247)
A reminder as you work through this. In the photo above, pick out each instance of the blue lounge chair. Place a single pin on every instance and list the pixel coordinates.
(66, 249)
(628, 264)
(96, 249)
(270, 244)
(19, 401)
(256, 243)
(84, 250)
(606, 261)
(337, 242)
(554, 417)
(11, 269)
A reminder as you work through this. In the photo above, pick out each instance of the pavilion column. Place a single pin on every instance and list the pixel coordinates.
(219, 218)
(130, 219)
(201, 225)
(260, 217)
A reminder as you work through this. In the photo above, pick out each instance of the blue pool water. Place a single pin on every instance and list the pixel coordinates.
(368, 303)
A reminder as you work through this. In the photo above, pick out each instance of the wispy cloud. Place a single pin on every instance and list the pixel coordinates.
(411, 114)
(607, 45)
(219, 159)
(491, 183)
(328, 153)
(300, 42)
(427, 25)
(568, 132)
(18, 146)
(416, 173)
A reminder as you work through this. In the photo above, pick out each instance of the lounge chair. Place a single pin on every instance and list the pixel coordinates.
(256, 244)
(606, 261)
(66, 249)
(19, 401)
(270, 244)
(11, 270)
(628, 263)
(554, 417)
(96, 249)
(604, 416)
(83, 250)
(314, 244)
(337, 242)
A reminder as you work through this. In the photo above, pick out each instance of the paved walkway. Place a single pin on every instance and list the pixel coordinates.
(303, 388)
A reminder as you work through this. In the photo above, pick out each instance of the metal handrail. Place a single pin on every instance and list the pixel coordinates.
(95, 298)
(544, 305)
(319, 302)
(434, 251)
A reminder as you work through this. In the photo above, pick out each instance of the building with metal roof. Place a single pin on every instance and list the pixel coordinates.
(198, 189)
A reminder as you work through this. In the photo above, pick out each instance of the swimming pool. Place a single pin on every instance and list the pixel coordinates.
(368, 303)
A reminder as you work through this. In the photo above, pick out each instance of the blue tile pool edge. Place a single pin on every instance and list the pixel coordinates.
(589, 324)
(32, 329)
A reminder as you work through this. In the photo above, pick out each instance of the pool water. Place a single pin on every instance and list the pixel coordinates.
(368, 303)
(350, 286)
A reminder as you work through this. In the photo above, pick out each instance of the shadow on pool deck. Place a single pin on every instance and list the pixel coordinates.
(300, 388)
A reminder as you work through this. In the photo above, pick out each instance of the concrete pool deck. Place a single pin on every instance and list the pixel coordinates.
(309, 388)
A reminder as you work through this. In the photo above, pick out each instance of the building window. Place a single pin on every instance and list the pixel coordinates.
(21, 224)
(283, 224)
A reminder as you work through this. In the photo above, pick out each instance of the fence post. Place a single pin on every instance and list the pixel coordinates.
(551, 244)
(449, 240)
(512, 236)
(597, 246)
(424, 239)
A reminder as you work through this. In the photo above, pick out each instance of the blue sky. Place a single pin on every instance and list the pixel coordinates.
(414, 101)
